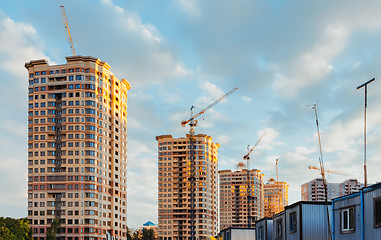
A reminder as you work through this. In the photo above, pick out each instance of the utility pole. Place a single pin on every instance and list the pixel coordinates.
(278, 185)
(366, 94)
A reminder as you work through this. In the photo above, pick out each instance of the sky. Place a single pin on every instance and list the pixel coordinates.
(282, 55)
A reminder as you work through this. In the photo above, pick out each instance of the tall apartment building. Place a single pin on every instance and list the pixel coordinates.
(314, 190)
(77, 141)
(233, 197)
(275, 197)
(174, 187)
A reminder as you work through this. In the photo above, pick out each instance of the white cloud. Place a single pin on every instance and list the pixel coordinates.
(19, 43)
(314, 64)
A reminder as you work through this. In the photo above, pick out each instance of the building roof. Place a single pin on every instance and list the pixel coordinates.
(149, 224)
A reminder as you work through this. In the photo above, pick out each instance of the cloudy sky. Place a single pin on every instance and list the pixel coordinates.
(282, 55)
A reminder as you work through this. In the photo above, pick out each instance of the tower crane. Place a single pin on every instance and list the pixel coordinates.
(192, 122)
(322, 171)
(249, 198)
(316, 168)
(64, 18)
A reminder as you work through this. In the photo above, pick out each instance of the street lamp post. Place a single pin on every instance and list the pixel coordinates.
(365, 106)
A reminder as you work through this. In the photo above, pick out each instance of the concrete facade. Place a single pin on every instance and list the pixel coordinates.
(233, 198)
(77, 142)
(174, 187)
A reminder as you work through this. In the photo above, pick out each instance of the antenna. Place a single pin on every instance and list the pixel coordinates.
(64, 18)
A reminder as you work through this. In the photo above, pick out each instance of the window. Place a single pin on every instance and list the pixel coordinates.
(377, 212)
(261, 234)
(348, 219)
(278, 229)
(293, 223)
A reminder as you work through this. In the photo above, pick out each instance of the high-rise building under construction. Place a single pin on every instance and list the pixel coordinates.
(234, 209)
(77, 141)
(174, 189)
(275, 197)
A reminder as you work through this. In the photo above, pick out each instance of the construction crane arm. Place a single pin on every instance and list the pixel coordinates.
(183, 123)
(70, 40)
(248, 154)
(316, 168)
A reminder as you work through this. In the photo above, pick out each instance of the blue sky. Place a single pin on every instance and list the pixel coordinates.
(282, 55)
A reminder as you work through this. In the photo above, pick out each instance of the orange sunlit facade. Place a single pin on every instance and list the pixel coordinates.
(77, 149)
(234, 201)
(275, 197)
(174, 187)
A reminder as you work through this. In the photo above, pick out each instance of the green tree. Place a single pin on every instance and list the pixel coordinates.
(148, 234)
(129, 237)
(15, 229)
(52, 231)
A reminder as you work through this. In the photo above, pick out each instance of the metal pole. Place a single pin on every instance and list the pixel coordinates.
(365, 106)
(365, 173)
(277, 182)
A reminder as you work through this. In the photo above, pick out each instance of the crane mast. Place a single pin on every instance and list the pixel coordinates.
(70, 40)
(192, 140)
(249, 198)
(322, 171)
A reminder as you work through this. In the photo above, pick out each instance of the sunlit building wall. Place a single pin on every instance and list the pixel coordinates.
(233, 197)
(174, 187)
(275, 197)
(77, 142)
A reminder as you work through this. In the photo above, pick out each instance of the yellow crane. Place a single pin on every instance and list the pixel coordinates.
(249, 198)
(192, 122)
(64, 18)
(316, 168)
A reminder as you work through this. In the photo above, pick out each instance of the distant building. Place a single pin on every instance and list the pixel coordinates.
(275, 197)
(174, 187)
(233, 198)
(314, 190)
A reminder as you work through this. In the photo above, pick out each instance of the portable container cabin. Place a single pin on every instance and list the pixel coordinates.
(232, 233)
(303, 220)
(358, 215)
(264, 229)
(279, 223)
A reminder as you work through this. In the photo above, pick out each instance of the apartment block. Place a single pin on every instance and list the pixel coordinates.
(77, 142)
(314, 190)
(275, 197)
(234, 197)
(174, 191)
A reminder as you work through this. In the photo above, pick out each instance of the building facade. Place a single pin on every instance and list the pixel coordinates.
(314, 190)
(174, 187)
(77, 142)
(233, 198)
(275, 197)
